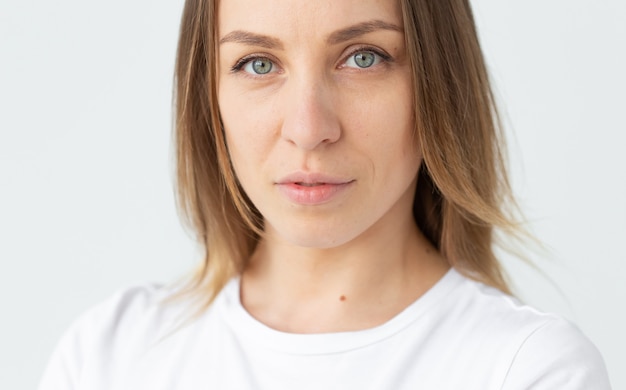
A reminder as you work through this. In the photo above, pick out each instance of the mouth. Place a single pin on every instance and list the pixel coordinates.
(313, 179)
(299, 183)
(312, 192)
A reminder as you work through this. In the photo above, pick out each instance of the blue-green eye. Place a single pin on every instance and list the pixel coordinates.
(363, 59)
(259, 65)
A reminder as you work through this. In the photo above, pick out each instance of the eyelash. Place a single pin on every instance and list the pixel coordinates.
(241, 63)
(384, 57)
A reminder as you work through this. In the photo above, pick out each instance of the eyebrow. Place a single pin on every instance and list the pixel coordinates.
(354, 31)
(252, 39)
(339, 36)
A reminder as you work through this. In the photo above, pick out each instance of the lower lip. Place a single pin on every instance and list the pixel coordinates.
(312, 195)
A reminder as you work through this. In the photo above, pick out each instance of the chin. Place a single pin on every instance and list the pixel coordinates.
(314, 236)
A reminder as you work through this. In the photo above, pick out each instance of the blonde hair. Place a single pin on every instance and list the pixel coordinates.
(463, 193)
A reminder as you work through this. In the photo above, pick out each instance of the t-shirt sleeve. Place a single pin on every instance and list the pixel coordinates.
(101, 344)
(64, 367)
(557, 356)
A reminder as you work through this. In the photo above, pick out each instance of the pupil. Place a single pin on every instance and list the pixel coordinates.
(262, 66)
(364, 60)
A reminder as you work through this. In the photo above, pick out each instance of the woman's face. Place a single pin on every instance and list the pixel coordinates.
(316, 102)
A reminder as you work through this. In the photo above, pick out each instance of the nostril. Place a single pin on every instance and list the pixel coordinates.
(310, 129)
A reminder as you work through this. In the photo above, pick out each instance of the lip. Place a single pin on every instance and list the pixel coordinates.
(312, 188)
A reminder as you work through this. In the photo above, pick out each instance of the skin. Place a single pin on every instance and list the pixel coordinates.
(356, 259)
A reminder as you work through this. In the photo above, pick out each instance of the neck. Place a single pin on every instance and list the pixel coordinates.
(358, 285)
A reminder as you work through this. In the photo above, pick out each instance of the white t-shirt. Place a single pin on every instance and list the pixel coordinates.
(459, 335)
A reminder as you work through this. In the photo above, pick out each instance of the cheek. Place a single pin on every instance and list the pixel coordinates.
(384, 127)
(247, 127)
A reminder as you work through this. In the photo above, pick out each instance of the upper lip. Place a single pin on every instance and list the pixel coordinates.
(312, 178)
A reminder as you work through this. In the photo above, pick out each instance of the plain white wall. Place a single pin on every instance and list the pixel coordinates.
(559, 67)
(86, 201)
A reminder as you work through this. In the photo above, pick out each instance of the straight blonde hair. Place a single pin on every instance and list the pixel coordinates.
(463, 193)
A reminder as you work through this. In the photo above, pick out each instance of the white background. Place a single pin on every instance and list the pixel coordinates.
(86, 198)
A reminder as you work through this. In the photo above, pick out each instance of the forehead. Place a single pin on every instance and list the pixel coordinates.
(302, 18)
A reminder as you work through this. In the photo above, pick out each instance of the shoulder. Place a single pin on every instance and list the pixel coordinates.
(104, 340)
(557, 355)
(537, 350)
(486, 312)
(138, 313)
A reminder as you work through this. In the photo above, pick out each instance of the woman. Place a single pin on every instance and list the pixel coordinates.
(341, 165)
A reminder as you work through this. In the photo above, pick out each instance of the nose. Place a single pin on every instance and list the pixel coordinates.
(310, 119)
